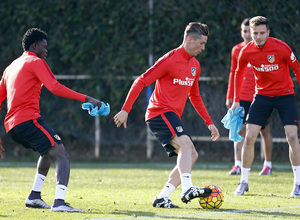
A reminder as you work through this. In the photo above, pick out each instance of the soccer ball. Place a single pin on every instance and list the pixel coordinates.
(215, 200)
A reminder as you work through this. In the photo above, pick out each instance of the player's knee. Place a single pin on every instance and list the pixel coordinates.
(183, 143)
(250, 139)
(59, 153)
(291, 137)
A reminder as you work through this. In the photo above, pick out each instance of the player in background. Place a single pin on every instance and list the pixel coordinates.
(176, 75)
(21, 84)
(246, 97)
(270, 59)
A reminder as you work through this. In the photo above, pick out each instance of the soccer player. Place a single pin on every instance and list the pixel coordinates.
(176, 75)
(246, 97)
(21, 84)
(270, 59)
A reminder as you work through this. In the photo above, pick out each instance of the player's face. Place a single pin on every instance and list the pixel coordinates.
(260, 34)
(41, 49)
(245, 33)
(198, 45)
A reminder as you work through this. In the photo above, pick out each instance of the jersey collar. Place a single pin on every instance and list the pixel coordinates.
(29, 53)
(185, 54)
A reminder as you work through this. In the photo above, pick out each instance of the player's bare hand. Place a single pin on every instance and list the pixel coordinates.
(234, 106)
(121, 118)
(1, 149)
(214, 132)
(94, 101)
(229, 103)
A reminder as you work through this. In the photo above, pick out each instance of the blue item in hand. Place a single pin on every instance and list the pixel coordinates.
(234, 123)
(94, 111)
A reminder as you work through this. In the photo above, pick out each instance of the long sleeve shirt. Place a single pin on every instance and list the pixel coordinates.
(270, 64)
(21, 84)
(176, 75)
(248, 86)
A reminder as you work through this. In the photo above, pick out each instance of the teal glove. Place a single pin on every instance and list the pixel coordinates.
(94, 111)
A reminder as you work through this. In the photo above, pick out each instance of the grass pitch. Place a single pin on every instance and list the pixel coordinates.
(126, 191)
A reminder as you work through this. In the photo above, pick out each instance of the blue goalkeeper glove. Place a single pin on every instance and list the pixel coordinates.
(94, 111)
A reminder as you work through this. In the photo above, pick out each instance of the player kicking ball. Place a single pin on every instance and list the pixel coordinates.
(176, 75)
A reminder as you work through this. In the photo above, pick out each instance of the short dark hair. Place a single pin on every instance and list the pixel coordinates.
(31, 36)
(259, 20)
(245, 22)
(196, 30)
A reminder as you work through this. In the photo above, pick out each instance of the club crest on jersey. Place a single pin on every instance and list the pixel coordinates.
(193, 71)
(57, 137)
(179, 129)
(271, 58)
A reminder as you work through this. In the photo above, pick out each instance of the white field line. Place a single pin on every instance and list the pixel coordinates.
(201, 214)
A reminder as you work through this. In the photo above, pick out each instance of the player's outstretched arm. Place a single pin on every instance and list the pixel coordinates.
(120, 118)
(214, 132)
(94, 101)
(1, 149)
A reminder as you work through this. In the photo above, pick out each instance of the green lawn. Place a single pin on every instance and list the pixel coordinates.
(126, 191)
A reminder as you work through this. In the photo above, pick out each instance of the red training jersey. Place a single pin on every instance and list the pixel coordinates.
(21, 84)
(270, 64)
(177, 77)
(248, 86)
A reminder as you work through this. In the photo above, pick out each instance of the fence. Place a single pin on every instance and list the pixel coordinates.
(149, 137)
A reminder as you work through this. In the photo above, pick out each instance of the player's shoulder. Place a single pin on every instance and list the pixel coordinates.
(166, 57)
(248, 47)
(277, 43)
(237, 48)
(240, 45)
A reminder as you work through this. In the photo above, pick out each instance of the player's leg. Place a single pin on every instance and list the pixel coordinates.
(267, 148)
(291, 132)
(187, 156)
(37, 135)
(287, 110)
(34, 199)
(174, 180)
(174, 177)
(252, 132)
(259, 112)
(166, 127)
(236, 168)
(30, 135)
(163, 131)
(58, 154)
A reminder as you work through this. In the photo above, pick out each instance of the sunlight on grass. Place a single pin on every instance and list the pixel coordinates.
(126, 191)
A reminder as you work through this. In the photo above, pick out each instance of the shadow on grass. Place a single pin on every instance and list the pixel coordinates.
(253, 213)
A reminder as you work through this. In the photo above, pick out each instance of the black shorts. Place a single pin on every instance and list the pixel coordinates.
(165, 127)
(262, 107)
(35, 134)
(246, 105)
